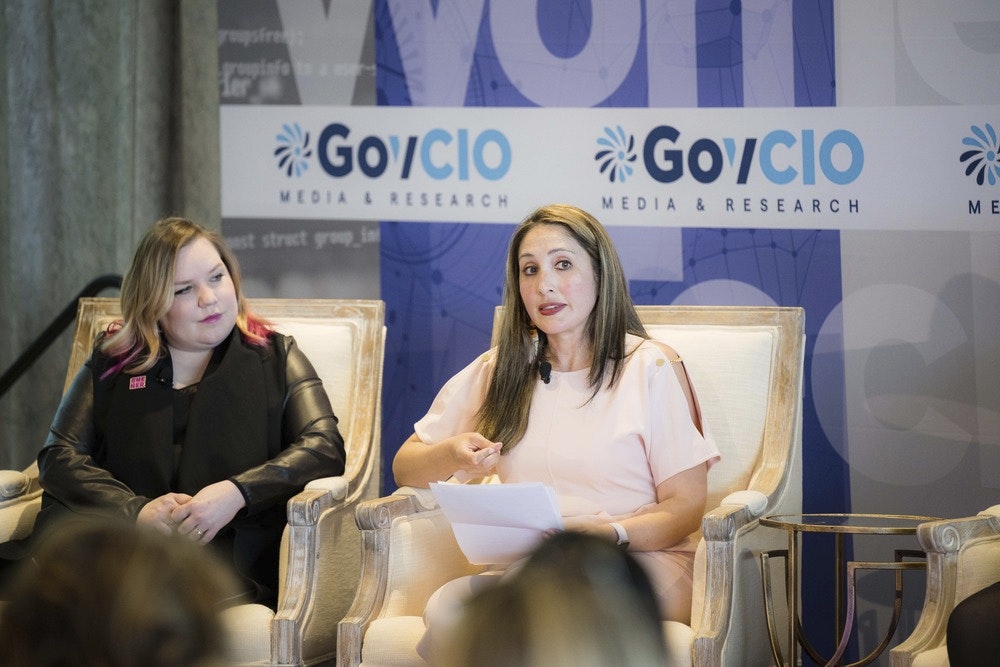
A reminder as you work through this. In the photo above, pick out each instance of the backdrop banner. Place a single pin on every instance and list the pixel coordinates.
(842, 156)
(819, 167)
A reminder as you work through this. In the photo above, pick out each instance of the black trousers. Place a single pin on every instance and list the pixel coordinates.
(974, 630)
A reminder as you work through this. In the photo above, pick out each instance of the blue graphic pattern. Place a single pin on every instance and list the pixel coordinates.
(440, 315)
(717, 55)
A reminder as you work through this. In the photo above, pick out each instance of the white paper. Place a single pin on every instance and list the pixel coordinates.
(496, 524)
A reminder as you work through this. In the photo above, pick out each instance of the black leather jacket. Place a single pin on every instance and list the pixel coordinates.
(260, 418)
(72, 464)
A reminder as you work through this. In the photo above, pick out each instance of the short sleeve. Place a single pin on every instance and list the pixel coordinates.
(674, 443)
(455, 407)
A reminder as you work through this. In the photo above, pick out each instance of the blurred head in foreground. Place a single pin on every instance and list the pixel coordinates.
(112, 594)
(578, 600)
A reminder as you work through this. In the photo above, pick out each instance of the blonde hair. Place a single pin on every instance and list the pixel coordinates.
(504, 414)
(107, 593)
(148, 292)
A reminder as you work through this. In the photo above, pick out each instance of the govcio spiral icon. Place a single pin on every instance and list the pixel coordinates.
(983, 158)
(293, 151)
(617, 154)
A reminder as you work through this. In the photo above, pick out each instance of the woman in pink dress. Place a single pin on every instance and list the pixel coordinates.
(577, 396)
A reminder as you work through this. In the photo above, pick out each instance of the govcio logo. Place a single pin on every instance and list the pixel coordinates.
(438, 153)
(780, 156)
(984, 157)
(293, 151)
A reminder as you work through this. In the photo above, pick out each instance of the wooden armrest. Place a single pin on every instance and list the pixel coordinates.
(374, 519)
(18, 485)
(423, 498)
(950, 535)
(755, 501)
(719, 528)
(337, 486)
(722, 523)
(20, 500)
(951, 545)
(13, 484)
(724, 613)
(313, 523)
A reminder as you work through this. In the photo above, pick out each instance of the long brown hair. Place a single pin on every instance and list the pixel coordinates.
(147, 294)
(503, 416)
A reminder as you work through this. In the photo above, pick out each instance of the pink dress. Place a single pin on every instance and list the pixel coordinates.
(603, 457)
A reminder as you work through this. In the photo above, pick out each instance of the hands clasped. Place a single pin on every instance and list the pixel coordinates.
(200, 516)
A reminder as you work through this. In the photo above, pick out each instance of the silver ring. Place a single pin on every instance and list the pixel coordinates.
(199, 532)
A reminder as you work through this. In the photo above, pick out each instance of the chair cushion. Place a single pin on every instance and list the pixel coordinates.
(934, 658)
(330, 347)
(731, 373)
(991, 511)
(13, 484)
(393, 641)
(423, 543)
(978, 566)
(248, 631)
(679, 638)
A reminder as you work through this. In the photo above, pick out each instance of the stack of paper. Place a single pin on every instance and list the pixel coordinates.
(496, 524)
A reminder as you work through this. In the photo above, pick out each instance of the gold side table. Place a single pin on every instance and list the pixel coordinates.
(840, 525)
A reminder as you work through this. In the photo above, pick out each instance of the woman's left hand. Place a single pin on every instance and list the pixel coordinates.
(208, 511)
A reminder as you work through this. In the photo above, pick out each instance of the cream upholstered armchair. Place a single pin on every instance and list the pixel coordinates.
(963, 557)
(345, 341)
(746, 365)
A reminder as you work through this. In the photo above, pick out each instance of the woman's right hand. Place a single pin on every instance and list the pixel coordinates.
(156, 513)
(475, 455)
(418, 464)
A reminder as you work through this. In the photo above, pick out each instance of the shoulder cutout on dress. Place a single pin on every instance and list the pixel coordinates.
(669, 352)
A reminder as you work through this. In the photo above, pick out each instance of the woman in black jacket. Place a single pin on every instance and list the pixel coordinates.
(192, 415)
